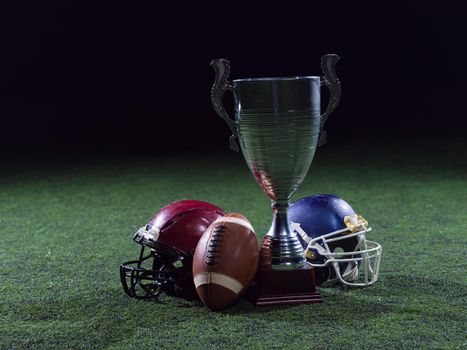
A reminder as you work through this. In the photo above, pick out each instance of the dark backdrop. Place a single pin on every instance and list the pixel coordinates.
(133, 78)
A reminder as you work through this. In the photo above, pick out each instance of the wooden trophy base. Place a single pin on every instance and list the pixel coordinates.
(281, 287)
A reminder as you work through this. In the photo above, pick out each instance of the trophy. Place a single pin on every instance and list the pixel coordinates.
(279, 126)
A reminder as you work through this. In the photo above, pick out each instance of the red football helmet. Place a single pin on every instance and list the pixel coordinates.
(172, 236)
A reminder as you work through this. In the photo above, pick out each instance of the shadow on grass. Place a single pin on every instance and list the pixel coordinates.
(108, 317)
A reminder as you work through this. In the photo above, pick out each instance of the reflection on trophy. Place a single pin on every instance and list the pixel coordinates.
(279, 126)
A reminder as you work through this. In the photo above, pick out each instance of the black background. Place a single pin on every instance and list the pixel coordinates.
(133, 78)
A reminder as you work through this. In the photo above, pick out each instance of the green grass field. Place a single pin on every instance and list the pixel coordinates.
(64, 230)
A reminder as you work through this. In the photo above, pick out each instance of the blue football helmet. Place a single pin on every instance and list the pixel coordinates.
(333, 237)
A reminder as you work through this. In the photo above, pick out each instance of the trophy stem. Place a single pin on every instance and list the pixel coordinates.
(281, 249)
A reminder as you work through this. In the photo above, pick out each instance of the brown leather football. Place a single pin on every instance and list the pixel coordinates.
(225, 261)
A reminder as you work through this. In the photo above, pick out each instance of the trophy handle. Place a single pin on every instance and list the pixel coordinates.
(220, 86)
(328, 66)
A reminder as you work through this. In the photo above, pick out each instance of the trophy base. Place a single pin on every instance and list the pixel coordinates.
(276, 287)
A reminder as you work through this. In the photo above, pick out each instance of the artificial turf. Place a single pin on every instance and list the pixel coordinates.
(65, 228)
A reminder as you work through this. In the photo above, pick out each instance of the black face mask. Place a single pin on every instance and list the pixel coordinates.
(161, 270)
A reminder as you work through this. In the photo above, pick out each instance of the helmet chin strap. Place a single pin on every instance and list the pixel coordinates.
(351, 272)
(349, 276)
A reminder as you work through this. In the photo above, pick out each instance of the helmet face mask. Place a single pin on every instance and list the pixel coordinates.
(335, 243)
(167, 244)
(140, 282)
(358, 267)
(153, 273)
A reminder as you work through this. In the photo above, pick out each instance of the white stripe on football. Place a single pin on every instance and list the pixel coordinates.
(235, 220)
(219, 279)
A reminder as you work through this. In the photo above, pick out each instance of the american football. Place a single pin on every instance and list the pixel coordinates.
(225, 261)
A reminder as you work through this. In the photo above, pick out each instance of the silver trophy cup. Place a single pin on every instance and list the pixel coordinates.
(279, 126)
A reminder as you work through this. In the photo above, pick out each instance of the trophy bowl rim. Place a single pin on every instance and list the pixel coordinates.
(297, 77)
